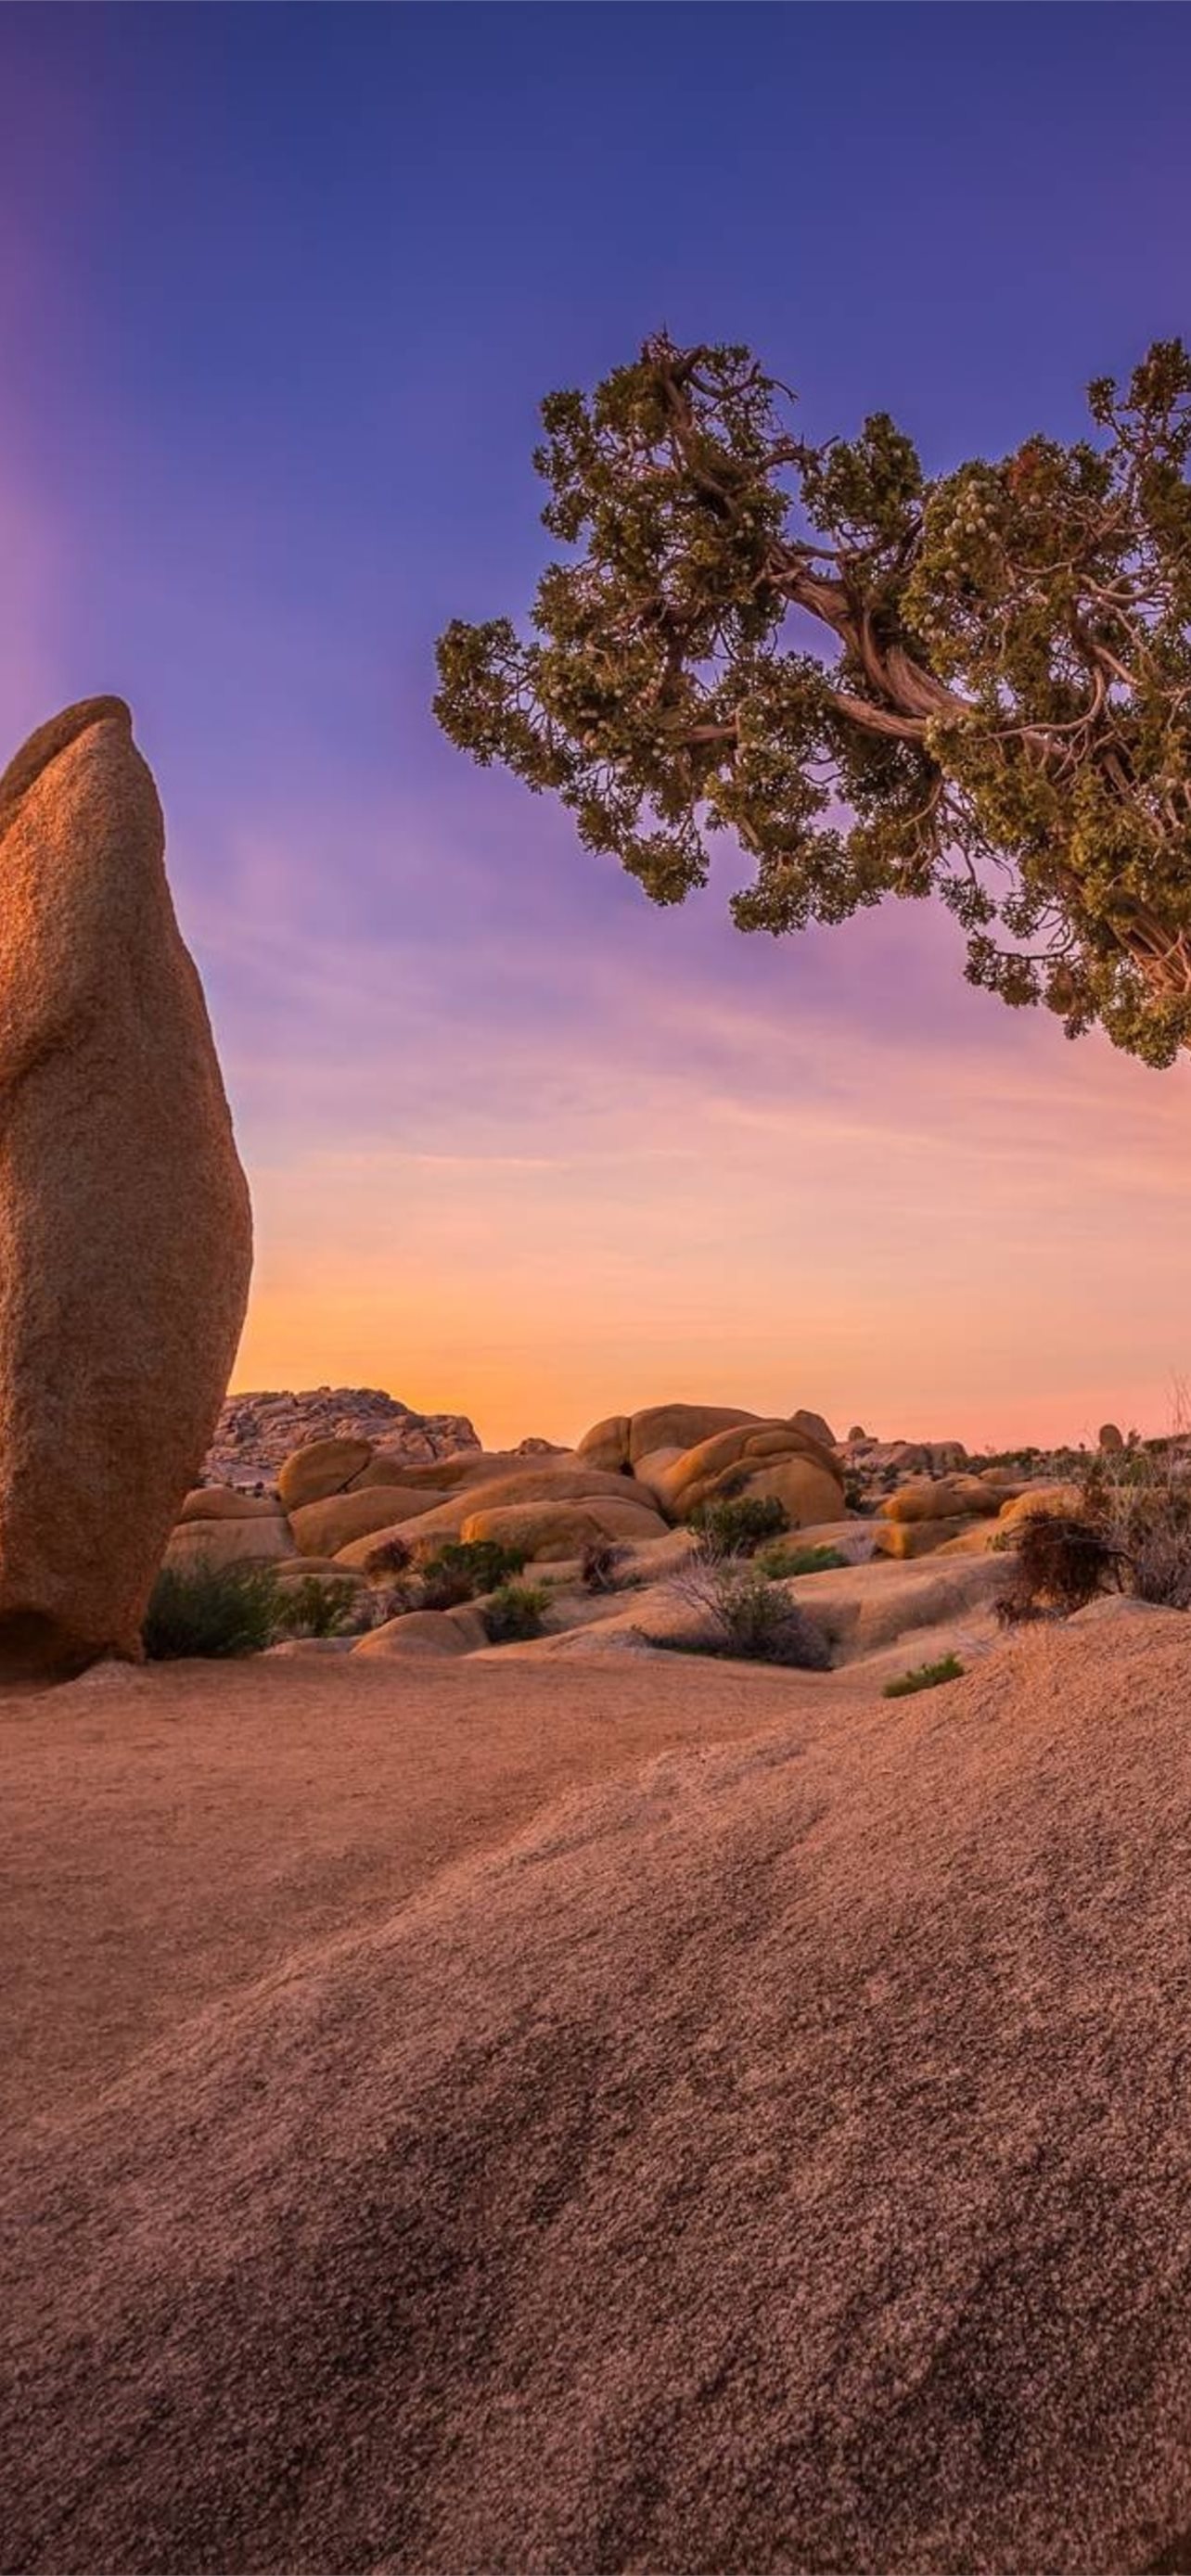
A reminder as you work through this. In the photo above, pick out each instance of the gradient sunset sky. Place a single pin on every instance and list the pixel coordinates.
(282, 288)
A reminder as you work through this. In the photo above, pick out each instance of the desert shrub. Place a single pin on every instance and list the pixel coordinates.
(1141, 1500)
(745, 1614)
(1159, 1560)
(857, 1497)
(738, 1524)
(462, 1567)
(783, 1557)
(442, 1587)
(318, 1606)
(390, 1601)
(515, 1613)
(600, 1564)
(1060, 1564)
(392, 1556)
(204, 1609)
(924, 1677)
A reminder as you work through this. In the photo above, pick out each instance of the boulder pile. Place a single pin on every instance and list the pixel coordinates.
(338, 1498)
(256, 1433)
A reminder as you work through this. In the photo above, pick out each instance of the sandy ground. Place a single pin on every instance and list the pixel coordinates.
(629, 2122)
(167, 1836)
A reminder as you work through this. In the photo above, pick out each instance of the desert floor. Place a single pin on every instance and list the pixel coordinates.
(169, 1836)
(544, 2119)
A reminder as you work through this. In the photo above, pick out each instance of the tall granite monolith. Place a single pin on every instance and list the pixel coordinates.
(125, 1224)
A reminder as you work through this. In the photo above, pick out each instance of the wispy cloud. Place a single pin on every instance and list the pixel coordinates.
(540, 1172)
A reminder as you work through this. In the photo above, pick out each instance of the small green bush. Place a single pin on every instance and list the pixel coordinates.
(745, 1615)
(737, 1525)
(924, 1677)
(318, 1606)
(781, 1559)
(514, 1613)
(443, 1587)
(204, 1609)
(461, 1568)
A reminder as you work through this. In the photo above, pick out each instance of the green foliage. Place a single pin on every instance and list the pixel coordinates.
(924, 1677)
(780, 1560)
(1063, 1466)
(318, 1606)
(204, 1609)
(997, 709)
(744, 1614)
(515, 1613)
(441, 1587)
(739, 1524)
(461, 1568)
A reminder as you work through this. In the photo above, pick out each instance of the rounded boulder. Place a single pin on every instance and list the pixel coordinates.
(322, 1468)
(760, 1458)
(322, 1529)
(549, 1531)
(1066, 1500)
(425, 1632)
(230, 1542)
(225, 1503)
(941, 1498)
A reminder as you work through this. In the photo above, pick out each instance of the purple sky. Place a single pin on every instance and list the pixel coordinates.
(282, 289)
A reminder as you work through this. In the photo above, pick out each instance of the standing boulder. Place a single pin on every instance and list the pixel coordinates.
(125, 1227)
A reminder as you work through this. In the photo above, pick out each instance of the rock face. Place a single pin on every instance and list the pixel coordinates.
(941, 1498)
(255, 1434)
(688, 1454)
(552, 1530)
(619, 1442)
(321, 1529)
(231, 1542)
(322, 1468)
(125, 1227)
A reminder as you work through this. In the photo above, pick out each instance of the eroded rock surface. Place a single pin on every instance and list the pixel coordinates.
(256, 1433)
(125, 1227)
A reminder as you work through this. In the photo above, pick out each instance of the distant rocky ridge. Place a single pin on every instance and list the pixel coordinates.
(256, 1433)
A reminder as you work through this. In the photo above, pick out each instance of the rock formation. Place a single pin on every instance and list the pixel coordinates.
(255, 1434)
(687, 1454)
(125, 1228)
(770, 2159)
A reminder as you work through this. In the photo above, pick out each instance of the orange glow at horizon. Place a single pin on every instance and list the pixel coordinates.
(977, 1265)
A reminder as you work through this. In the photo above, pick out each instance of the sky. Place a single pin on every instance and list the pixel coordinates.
(281, 289)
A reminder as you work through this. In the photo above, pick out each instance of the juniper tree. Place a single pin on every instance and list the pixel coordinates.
(976, 686)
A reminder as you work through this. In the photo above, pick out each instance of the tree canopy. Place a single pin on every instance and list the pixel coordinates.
(976, 686)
